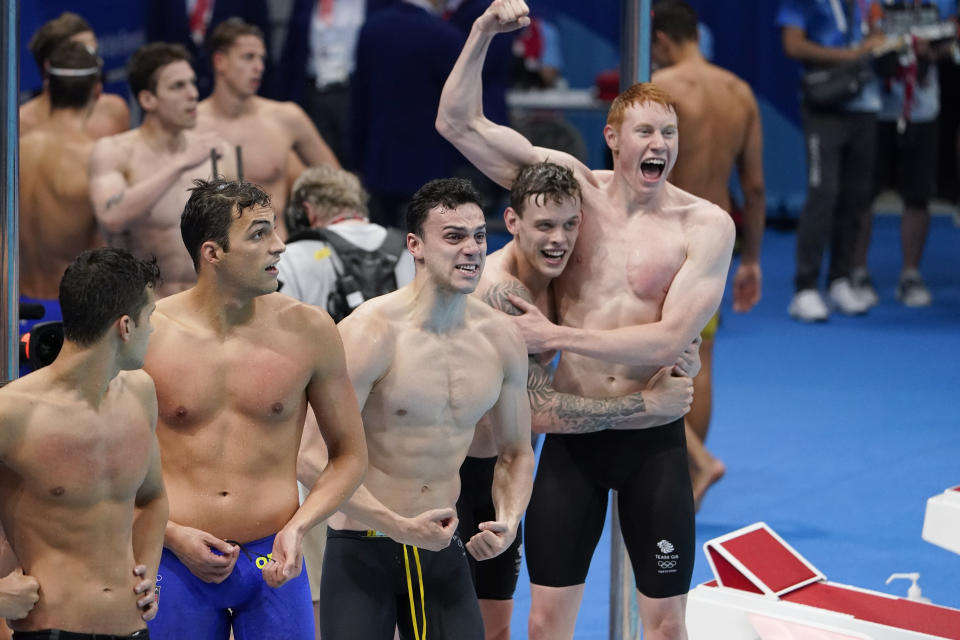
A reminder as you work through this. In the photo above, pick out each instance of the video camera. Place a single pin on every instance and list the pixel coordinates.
(40, 346)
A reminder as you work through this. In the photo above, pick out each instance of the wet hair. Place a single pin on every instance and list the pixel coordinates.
(446, 192)
(677, 19)
(330, 189)
(210, 210)
(69, 91)
(550, 181)
(99, 287)
(226, 33)
(146, 62)
(52, 33)
(639, 94)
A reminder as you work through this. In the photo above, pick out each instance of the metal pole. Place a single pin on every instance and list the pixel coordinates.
(9, 190)
(634, 42)
(634, 67)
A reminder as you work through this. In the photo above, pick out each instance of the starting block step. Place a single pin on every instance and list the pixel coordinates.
(765, 588)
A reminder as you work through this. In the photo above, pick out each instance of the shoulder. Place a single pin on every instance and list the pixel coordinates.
(29, 115)
(18, 400)
(33, 141)
(738, 86)
(115, 149)
(699, 212)
(114, 108)
(138, 381)
(600, 178)
(141, 386)
(380, 314)
(669, 78)
(112, 102)
(170, 316)
(370, 332)
(291, 315)
(285, 111)
(497, 327)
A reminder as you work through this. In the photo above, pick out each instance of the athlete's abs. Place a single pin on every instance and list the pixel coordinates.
(230, 419)
(85, 591)
(420, 418)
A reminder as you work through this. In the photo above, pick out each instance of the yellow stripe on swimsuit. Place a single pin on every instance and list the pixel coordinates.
(423, 605)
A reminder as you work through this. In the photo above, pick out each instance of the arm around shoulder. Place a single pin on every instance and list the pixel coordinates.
(693, 297)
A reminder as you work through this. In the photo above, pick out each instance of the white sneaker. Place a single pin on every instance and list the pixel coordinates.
(863, 285)
(912, 291)
(808, 306)
(845, 299)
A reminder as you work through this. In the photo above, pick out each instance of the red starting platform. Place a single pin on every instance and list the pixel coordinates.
(765, 589)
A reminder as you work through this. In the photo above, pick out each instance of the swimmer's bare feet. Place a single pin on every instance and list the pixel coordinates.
(703, 478)
(705, 469)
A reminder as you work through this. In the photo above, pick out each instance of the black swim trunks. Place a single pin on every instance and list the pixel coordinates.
(496, 578)
(648, 468)
(372, 584)
(59, 634)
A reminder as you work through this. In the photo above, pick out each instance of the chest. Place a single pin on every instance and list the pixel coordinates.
(203, 379)
(86, 459)
(639, 259)
(265, 144)
(437, 381)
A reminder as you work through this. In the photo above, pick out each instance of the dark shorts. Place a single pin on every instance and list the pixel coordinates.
(496, 578)
(59, 634)
(907, 162)
(188, 607)
(372, 585)
(648, 468)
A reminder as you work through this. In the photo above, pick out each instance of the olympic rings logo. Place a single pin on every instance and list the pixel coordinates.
(667, 564)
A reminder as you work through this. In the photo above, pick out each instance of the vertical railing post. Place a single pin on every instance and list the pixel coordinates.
(9, 190)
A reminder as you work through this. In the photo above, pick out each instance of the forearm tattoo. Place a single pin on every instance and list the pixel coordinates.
(114, 199)
(566, 413)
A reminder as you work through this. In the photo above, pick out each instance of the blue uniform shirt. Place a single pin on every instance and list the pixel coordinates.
(822, 25)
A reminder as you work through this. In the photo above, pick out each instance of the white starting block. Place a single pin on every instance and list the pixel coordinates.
(941, 522)
(765, 589)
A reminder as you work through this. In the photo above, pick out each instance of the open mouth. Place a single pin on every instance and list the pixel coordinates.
(272, 270)
(553, 256)
(468, 269)
(652, 168)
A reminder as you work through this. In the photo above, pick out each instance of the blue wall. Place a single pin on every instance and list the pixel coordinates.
(745, 40)
(118, 25)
